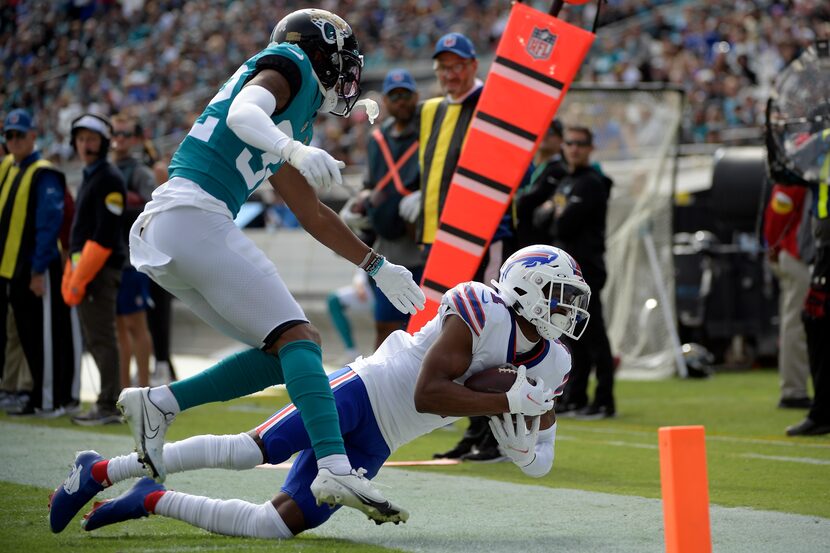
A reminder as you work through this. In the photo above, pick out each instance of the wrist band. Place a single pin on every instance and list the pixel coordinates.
(366, 259)
(374, 265)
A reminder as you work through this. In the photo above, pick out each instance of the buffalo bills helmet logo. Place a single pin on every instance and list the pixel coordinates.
(533, 259)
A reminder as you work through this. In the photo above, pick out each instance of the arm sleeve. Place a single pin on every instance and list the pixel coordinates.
(48, 220)
(543, 460)
(248, 118)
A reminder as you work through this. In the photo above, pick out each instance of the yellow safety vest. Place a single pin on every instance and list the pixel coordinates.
(14, 208)
(444, 129)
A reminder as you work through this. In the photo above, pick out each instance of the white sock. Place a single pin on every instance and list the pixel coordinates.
(235, 452)
(337, 463)
(124, 467)
(232, 517)
(164, 399)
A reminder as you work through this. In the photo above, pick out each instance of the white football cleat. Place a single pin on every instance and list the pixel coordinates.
(149, 425)
(355, 491)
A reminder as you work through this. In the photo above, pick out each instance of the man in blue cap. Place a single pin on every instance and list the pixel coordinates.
(31, 213)
(393, 175)
(444, 122)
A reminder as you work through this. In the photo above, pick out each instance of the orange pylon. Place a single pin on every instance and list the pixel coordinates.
(685, 489)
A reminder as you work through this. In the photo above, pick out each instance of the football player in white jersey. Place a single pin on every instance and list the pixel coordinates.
(256, 129)
(410, 386)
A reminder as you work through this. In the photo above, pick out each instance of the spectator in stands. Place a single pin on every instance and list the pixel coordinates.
(789, 249)
(750, 41)
(134, 292)
(575, 221)
(31, 213)
(548, 169)
(443, 125)
(393, 175)
(97, 255)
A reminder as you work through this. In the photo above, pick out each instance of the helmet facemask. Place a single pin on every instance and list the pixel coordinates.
(347, 86)
(558, 309)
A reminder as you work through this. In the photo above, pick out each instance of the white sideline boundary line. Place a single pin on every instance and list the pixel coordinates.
(450, 514)
(729, 439)
(805, 460)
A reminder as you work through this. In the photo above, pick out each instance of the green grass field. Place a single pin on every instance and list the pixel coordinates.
(750, 463)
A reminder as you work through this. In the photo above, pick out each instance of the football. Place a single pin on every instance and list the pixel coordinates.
(494, 380)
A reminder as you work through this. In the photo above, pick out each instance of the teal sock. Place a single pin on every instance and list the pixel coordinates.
(235, 376)
(308, 386)
(341, 323)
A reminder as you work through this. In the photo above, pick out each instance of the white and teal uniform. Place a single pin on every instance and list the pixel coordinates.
(222, 164)
(186, 239)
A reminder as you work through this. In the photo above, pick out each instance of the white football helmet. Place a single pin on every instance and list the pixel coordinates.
(545, 286)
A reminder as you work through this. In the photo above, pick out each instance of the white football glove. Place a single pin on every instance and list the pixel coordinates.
(529, 399)
(515, 440)
(396, 284)
(319, 168)
(410, 207)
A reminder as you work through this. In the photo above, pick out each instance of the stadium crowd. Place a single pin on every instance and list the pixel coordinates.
(161, 60)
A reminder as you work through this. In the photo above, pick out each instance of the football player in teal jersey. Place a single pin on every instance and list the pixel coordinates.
(258, 127)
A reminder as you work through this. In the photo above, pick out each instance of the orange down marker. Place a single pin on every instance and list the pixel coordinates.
(536, 61)
(685, 489)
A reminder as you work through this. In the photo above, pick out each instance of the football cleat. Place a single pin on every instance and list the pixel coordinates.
(355, 491)
(148, 424)
(127, 506)
(75, 492)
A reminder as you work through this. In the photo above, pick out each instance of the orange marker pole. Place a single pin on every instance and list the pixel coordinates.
(685, 489)
(537, 59)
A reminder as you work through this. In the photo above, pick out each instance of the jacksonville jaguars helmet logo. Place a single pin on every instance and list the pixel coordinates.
(330, 27)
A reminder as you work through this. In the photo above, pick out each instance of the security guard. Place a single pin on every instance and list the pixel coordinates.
(97, 255)
(31, 213)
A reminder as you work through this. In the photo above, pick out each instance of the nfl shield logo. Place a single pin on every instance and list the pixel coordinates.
(541, 43)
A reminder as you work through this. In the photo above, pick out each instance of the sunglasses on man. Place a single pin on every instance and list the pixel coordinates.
(13, 135)
(123, 133)
(580, 143)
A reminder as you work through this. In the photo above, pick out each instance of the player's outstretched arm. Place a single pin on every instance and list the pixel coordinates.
(395, 281)
(316, 218)
(447, 359)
